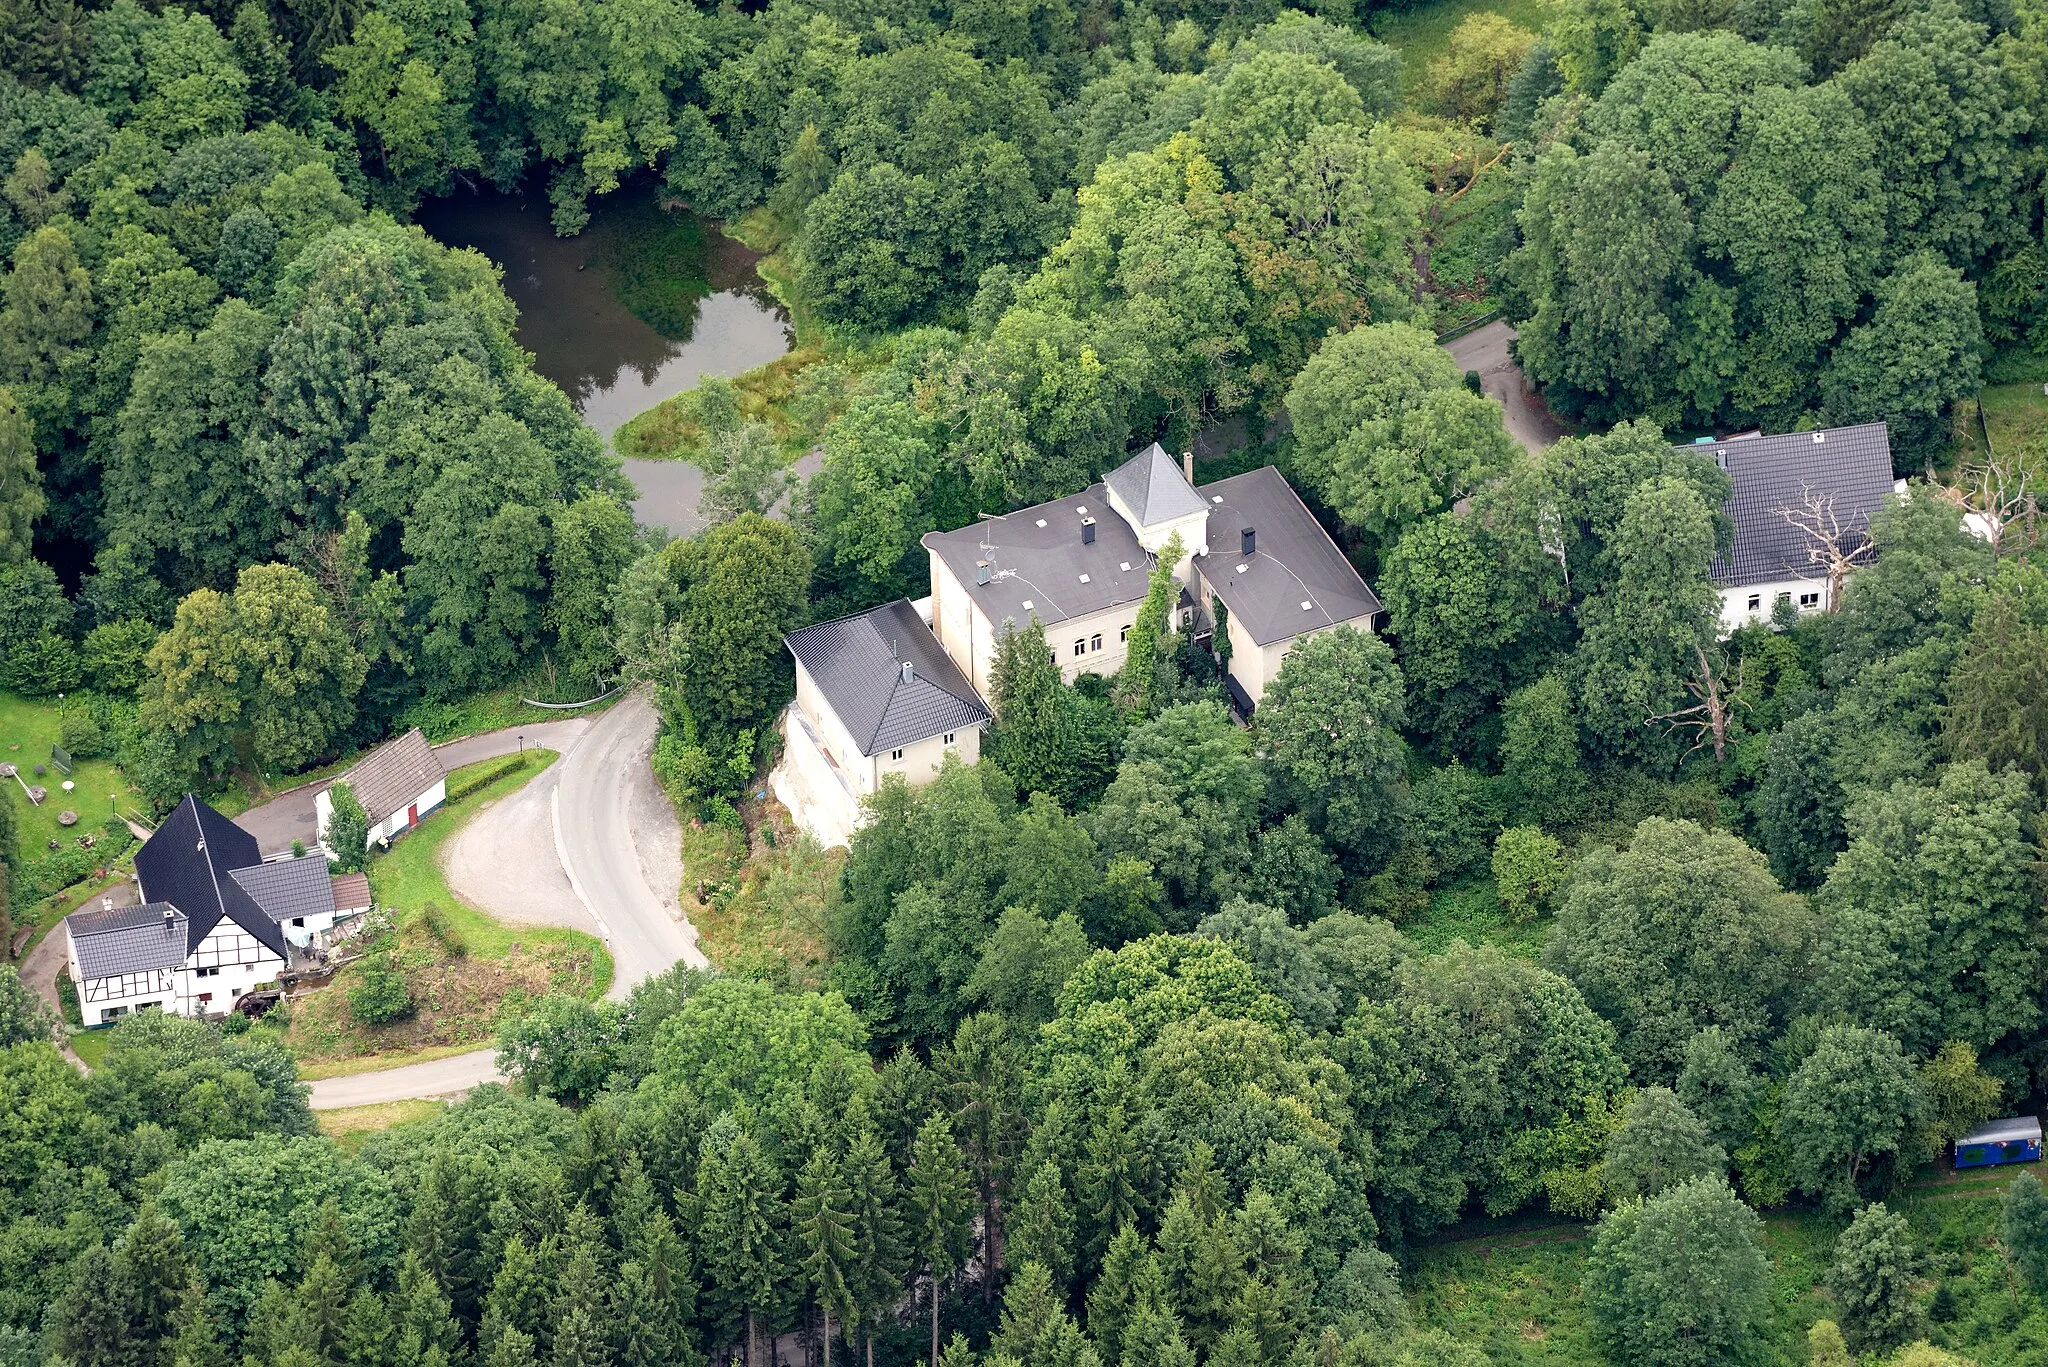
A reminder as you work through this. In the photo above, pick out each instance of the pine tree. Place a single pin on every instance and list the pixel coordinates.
(1110, 1179)
(646, 1327)
(822, 1220)
(1042, 1222)
(667, 1260)
(194, 1342)
(154, 1273)
(89, 1322)
(940, 1206)
(425, 1322)
(323, 1296)
(740, 1210)
(1200, 1182)
(2023, 1228)
(1032, 1312)
(984, 1073)
(366, 1339)
(512, 1349)
(577, 1313)
(1153, 1338)
(633, 1204)
(517, 1300)
(1114, 1297)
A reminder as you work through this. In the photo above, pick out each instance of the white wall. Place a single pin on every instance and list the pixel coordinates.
(1736, 611)
(323, 813)
(101, 1000)
(234, 961)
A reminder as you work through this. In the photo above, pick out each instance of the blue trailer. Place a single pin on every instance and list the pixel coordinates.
(2015, 1139)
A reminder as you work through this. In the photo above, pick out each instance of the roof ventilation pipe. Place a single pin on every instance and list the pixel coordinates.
(1249, 539)
(1187, 466)
(908, 671)
(981, 571)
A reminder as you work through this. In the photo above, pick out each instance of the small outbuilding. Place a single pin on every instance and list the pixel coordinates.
(2015, 1139)
(398, 783)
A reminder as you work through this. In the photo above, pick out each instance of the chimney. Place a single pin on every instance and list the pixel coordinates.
(908, 670)
(981, 571)
(1249, 540)
(1187, 466)
(170, 916)
(106, 904)
(1087, 531)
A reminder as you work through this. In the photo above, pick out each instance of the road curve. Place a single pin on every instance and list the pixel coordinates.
(598, 780)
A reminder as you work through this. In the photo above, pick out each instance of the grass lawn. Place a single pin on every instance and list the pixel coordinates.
(91, 1046)
(28, 728)
(463, 968)
(1419, 34)
(1511, 1287)
(351, 1126)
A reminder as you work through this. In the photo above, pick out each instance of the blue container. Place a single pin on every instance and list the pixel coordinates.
(2015, 1139)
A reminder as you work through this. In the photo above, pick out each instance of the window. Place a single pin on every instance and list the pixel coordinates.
(1784, 598)
(1756, 602)
(112, 1013)
(949, 738)
(1125, 634)
(299, 921)
(895, 754)
(206, 972)
(1095, 643)
(1187, 617)
(1080, 647)
(1052, 657)
(1809, 600)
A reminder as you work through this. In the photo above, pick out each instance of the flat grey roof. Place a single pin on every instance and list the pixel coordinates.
(1296, 580)
(289, 888)
(1853, 465)
(857, 663)
(135, 939)
(1038, 564)
(2012, 1127)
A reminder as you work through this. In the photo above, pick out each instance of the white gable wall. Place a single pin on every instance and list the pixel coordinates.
(227, 963)
(1742, 604)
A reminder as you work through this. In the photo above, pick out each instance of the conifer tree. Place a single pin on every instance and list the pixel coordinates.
(872, 1195)
(194, 1342)
(940, 1205)
(1113, 1299)
(2023, 1228)
(366, 1339)
(427, 1335)
(646, 1330)
(1110, 1179)
(1042, 1222)
(667, 1260)
(740, 1210)
(323, 1296)
(1032, 1315)
(633, 1204)
(822, 1220)
(577, 1314)
(154, 1272)
(89, 1322)
(512, 1349)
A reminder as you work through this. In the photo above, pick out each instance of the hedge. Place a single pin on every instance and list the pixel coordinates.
(478, 782)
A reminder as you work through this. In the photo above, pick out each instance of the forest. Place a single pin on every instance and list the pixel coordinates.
(1150, 1040)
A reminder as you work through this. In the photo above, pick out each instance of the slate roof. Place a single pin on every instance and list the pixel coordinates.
(1854, 464)
(134, 939)
(1295, 562)
(392, 775)
(1152, 486)
(188, 863)
(1047, 571)
(857, 663)
(290, 888)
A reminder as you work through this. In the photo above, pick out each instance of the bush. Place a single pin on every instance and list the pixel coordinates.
(1529, 867)
(1454, 813)
(476, 783)
(115, 655)
(379, 995)
(80, 731)
(348, 829)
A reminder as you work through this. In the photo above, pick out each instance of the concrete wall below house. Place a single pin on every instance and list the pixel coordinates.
(1742, 604)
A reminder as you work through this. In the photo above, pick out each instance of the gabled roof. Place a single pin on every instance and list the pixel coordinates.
(1296, 580)
(1152, 486)
(351, 891)
(858, 664)
(290, 888)
(189, 862)
(392, 775)
(1040, 567)
(1852, 465)
(137, 939)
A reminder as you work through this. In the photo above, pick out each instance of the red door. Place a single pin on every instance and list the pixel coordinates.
(412, 815)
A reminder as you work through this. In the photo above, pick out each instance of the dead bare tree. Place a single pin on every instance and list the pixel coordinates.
(1836, 547)
(1717, 697)
(1999, 506)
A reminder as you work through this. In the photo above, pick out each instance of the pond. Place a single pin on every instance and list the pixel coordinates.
(641, 305)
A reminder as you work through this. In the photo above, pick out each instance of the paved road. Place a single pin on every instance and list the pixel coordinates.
(605, 790)
(615, 839)
(290, 816)
(442, 1077)
(1486, 351)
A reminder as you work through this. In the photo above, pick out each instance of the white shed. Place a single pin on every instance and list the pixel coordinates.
(398, 783)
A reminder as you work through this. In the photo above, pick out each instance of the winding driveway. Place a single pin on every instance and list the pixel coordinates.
(615, 840)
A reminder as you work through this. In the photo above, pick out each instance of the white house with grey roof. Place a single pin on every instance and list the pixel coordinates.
(1841, 475)
(211, 922)
(897, 688)
(398, 783)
